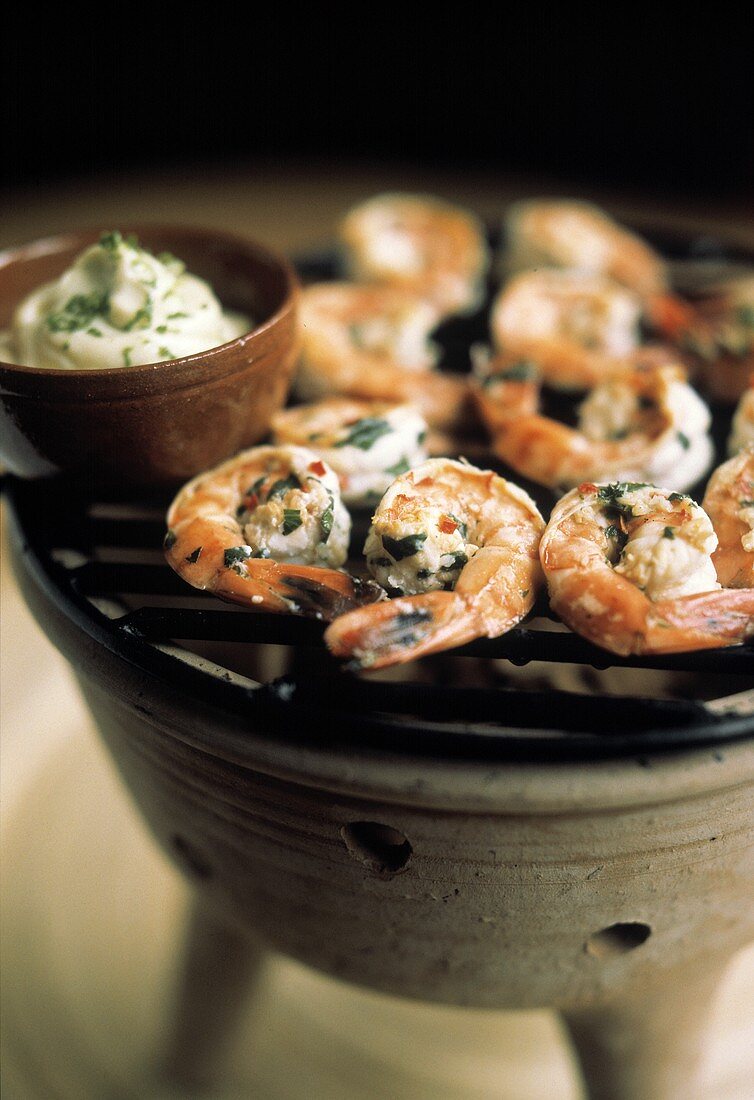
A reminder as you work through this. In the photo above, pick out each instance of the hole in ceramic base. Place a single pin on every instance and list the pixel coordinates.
(617, 939)
(381, 848)
(191, 861)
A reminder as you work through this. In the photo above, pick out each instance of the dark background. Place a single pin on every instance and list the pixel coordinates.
(627, 100)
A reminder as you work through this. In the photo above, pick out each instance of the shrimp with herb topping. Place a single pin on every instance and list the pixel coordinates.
(629, 566)
(457, 547)
(267, 529)
(372, 342)
(581, 237)
(642, 422)
(729, 502)
(421, 244)
(367, 443)
(576, 328)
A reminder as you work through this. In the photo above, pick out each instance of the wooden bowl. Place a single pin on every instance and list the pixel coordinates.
(161, 423)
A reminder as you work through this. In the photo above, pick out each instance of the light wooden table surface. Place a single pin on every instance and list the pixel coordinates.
(92, 912)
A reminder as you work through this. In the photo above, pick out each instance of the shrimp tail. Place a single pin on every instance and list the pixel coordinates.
(400, 630)
(710, 619)
(306, 590)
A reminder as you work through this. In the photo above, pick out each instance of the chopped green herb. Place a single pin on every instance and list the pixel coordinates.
(617, 535)
(677, 498)
(283, 485)
(617, 435)
(110, 241)
(402, 466)
(461, 527)
(669, 533)
(422, 574)
(176, 265)
(170, 539)
(94, 332)
(263, 553)
(745, 315)
(141, 318)
(166, 353)
(161, 329)
(176, 316)
(421, 437)
(683, 440)
(746, 503)
(194, 555)
(524, 592)
(127, 356)
(254, 489)
(365, 433)
(291, 520)
(78, 312)
(326, 520)
(236, 554)
(459, 560)
(398, 549)
(610, 496)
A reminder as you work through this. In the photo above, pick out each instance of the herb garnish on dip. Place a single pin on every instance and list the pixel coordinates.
(119, 306)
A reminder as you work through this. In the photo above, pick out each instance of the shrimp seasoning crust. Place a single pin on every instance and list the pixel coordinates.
(644, 422)
(421, 244)
(367, 443)
(372, 342)
(267, 529)
(576, 328)
(458, 546)
(729, 501)
(629, 567)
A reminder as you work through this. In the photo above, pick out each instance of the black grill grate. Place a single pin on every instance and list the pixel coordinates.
(101, 562)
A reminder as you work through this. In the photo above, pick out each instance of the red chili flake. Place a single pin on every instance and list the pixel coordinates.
(317, 468)
(447, 525)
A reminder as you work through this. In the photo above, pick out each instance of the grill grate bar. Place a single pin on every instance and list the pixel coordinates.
(604, 715)
(519, 646)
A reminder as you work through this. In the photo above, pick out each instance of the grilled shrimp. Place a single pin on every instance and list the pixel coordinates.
(267, 529)
(372, 342)
(742, 427)
(420, 244)
(458, 547)
(729, 502)
(581, 237)
(644, 422)
(629, 567)
(720, 336)
(576, 328)
(367, 443)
